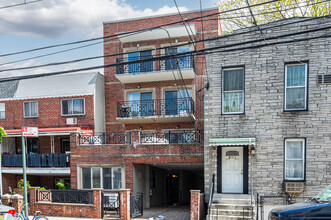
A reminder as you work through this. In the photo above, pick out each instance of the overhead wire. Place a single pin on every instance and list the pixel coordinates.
(25, 3)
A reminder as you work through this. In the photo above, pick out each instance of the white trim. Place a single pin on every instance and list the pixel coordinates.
(233, 91)
(302, 140)
(43, 97)
(72, 107)
(4, 110)
(291, 87)
(35, 116)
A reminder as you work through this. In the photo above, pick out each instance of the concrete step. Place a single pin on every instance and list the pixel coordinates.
(230, 212)
(226, 217)
(231, 206)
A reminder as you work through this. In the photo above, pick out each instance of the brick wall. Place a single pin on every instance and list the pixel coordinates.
(264, 117)
(49, 114)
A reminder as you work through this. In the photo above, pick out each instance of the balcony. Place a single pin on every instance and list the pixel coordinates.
(156, 111)
(36, 160)
(171, 137)
(156, 70)
(105, 138)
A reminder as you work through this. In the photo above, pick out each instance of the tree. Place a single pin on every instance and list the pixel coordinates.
(2, 134)
(269, 12)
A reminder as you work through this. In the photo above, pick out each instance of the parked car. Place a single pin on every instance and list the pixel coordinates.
(7, 213)
(318, 207)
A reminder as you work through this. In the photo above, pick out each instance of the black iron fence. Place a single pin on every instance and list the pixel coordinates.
(111, 205)
(106, 138)
(171, 137)
(164, 64)
(36, 160)
(65, 196)
(156, 107)
(265, 203)
(136, 205)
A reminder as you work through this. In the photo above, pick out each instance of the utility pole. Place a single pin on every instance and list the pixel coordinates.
(24, 175)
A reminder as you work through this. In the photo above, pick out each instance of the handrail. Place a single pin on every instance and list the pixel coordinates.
(211, 193)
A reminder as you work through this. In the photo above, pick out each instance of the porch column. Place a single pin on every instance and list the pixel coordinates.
(52, 145)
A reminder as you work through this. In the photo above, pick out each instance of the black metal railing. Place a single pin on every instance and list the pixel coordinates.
(136, 205)
(156, 107)
(162, 64)
(65, 196)
(36, 160)
(171, 137)
(211, 193)
(105, 138)
(111, 204)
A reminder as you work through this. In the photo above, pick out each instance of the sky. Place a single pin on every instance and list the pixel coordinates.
(49, 22)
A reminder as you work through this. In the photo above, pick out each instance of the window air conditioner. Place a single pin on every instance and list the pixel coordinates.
(294, 187)
(71, 121)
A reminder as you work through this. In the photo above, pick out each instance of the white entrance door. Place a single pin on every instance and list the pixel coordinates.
(232, 170)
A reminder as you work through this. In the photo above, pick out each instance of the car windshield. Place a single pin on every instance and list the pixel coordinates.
(325, 195)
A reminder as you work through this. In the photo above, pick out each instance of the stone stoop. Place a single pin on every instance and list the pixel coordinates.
(231, 207)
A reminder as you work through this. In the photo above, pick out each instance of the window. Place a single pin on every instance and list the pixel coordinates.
(30, 109)
(178, 102)
(73, 107)
(2, 111)
(141, 104)
(106, 178)
(233, 91)
(296, 87)
(140, 67)
(294, 159)
(184, 61)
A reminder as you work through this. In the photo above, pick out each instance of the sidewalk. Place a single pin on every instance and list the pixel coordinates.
(67, 218)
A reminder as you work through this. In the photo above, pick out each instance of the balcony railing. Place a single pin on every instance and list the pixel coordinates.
(162, 64)
(36, 160)
(171, 137)
(156, 107)
(105, 138)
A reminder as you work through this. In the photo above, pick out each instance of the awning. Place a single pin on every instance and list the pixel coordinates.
(51, 131)
(231, 141)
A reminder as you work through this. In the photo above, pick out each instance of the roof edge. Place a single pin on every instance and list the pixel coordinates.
(159, 15)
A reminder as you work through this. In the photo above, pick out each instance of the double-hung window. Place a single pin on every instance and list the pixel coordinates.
(2, 111)
(296, 87)
(233, 91)
(73, 107)
(30, 109)
(106, 178)
(294, 159)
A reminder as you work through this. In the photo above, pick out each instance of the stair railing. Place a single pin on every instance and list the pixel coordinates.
(211, 193)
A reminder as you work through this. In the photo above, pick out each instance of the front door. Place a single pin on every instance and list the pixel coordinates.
(232, 169)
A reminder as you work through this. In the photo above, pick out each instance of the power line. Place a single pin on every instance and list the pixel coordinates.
(198, 52)
(130, 32)
(185, 53)
(25, 3)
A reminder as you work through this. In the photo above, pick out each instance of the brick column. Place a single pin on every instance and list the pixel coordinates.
(125, 204)
(195, 205)
(6, 199)
(97, 202)
(74, 141)
(17, 202)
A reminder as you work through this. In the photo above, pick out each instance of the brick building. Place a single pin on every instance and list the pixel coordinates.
(154, 111)
(60, 106)
(267, 112)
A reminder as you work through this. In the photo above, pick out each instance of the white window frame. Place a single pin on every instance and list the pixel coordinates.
(4, 115)
(303, 158)
(305, 86)
(101, 177)
(72, 105)
(243, 91)
(34, 116)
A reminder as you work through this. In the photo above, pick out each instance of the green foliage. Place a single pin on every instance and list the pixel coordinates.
(268, 12)
(20, 184)
(2, 134)
(62, 184)
(41, 188)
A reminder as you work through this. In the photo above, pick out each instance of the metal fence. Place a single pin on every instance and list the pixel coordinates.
(36, 160)
(105, 138)
(136, 205)
(65, 196)
(265, 203)
(111, 205)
